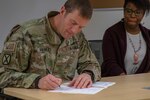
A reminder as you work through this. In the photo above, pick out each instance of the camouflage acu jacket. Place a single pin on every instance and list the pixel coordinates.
(33, 49)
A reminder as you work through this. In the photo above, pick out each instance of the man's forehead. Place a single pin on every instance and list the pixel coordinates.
(76, 17)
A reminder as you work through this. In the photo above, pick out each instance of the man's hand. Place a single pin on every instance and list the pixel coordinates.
(49, 82)
(122, 74)
(82, 81)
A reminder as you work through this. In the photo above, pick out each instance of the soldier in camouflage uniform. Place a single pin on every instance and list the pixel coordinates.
(44, 52)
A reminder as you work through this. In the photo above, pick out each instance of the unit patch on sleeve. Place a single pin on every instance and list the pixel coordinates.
(6, 59)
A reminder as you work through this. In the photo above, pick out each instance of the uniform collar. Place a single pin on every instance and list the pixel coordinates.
(52, 36)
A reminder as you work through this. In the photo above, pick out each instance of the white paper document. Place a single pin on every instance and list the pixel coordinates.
(96, 87)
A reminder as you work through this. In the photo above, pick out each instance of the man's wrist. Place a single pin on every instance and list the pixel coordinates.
(36, 82)
(89, 73)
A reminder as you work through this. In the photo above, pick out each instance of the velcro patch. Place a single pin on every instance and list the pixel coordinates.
(10, 46)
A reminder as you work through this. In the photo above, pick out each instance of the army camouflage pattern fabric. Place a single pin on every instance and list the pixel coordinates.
(33, 49)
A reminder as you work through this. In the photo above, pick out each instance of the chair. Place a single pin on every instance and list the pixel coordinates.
(96, 47)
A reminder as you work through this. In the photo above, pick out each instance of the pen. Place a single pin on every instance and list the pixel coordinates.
(50, 73)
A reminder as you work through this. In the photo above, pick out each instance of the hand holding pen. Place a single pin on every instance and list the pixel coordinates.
(49, 82)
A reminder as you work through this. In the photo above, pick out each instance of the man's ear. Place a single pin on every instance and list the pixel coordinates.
(63, 10)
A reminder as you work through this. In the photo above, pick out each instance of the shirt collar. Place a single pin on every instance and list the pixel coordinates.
(52, 36)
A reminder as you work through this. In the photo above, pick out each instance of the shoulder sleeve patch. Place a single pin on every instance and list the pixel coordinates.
(6, 59)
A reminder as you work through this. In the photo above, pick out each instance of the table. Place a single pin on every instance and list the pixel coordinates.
(127, 87)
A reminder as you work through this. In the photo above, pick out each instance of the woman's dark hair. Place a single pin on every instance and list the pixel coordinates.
(84, 7)
(141, 4)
